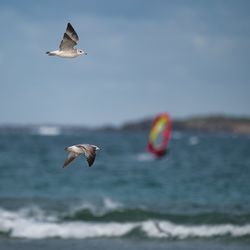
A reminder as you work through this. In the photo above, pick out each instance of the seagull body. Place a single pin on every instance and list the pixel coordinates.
(67, 46)
(89, 151)
(65, 54)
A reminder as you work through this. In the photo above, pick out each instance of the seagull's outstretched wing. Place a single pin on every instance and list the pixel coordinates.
(69, 159)
(72, 33)
(89, 152)
(67, 43)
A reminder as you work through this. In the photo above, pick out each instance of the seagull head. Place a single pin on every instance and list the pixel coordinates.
(81, 52)
(96, 148)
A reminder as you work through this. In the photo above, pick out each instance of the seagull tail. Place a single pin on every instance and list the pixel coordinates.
(50, 53)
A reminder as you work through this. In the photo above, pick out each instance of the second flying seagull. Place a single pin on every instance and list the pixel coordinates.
(86, 149)
(67, 46)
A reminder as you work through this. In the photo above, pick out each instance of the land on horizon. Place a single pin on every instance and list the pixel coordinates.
(209, 123)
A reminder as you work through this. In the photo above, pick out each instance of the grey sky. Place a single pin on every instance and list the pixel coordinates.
(144, 57)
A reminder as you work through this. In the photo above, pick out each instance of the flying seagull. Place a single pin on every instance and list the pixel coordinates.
(86, 149)
(67, 45)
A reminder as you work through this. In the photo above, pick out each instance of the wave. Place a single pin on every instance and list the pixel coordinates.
(107, 205)
(194, 140)
(48, 130)
(123, 214)
(144, 157)
(34, 223)
(110, 210)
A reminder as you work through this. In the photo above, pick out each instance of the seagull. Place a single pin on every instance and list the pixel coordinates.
(67, 46)
(89, 151)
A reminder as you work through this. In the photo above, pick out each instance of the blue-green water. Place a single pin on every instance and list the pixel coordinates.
(199, 194)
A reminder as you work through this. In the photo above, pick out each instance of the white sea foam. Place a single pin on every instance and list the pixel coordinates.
(18, 225)
(23, 225)
(194, 140)
(84, 206)
(48, 130)
(107, 205)
(36, 213)
(168, 229)
(144, 157)
(77, 230)
(110, 205)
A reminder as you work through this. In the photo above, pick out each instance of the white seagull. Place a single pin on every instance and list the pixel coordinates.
(67, 46)
(89, 151)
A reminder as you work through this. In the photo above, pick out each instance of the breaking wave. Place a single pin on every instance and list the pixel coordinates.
(118, 221)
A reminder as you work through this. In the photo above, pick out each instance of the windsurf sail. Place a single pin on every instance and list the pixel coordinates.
(159, 135)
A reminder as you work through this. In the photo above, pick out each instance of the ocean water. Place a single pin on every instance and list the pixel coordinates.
(197, 197)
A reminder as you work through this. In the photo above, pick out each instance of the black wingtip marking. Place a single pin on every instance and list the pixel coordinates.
(91, 160)
(92, 154)
(72, 33)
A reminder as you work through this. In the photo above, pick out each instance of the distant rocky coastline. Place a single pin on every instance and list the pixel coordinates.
(200, 123)
(195, 124)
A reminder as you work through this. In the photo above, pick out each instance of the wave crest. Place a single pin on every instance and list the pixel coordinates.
(24, 225)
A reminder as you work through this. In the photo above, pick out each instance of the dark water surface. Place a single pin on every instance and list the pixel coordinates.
(198, 197)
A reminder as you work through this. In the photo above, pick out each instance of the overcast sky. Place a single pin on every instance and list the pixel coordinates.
(144, 57)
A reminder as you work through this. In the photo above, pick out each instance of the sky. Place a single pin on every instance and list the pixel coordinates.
(186, 57)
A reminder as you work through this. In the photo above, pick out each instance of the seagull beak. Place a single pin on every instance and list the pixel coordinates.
(85, 53)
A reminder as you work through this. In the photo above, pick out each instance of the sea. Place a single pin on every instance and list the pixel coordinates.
(196, 197)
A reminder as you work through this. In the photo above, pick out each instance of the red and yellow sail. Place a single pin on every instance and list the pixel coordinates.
(159, 135)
